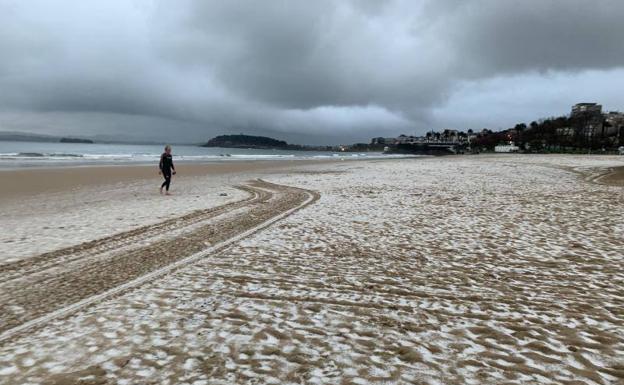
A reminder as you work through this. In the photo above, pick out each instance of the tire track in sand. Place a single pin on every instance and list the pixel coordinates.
(26, 303)
(43, 262)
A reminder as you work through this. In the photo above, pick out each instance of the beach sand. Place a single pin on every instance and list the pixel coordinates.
(32, 181)
(614, 177)
(47, 209)
(456, 270)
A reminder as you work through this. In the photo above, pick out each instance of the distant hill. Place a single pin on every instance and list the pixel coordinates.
(75, 140)
(246, 141)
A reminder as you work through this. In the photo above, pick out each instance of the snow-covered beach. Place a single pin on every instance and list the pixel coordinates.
(455, 270)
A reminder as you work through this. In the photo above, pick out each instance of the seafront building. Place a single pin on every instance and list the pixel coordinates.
(509, 147)
(433, 143)
(614, 123)
(381, 140)
(447, 136)
(586, 109)
(590, 121)
(586, 124)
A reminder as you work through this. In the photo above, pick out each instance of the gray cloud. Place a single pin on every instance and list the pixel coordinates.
(319, 71)
(497, 36)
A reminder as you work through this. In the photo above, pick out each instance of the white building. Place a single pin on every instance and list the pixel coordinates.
(382, 140)
(404, 139)
(507, 148)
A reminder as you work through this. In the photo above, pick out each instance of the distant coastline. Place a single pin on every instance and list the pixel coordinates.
(75, 140)
(246, 141)
(243, 141)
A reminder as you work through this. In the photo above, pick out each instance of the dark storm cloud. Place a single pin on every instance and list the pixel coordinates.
(309, 54)
(300, 69)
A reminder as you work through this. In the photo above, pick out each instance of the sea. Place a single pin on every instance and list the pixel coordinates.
(48, 154)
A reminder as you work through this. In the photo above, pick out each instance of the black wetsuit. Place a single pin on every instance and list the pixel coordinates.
(166, 165)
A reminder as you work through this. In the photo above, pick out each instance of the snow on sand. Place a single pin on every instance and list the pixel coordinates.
(460, 270)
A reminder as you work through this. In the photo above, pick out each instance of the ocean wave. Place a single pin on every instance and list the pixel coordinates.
(109, 156)
(262, 156)
(38, 155)
(54, 158)
(55, 155)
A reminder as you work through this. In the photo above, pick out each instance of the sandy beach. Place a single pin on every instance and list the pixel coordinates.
(33, 181)
(47, 209)
(494, 269)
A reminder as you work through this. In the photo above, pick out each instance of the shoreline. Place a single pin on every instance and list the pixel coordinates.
(24, 182)
(32, 181)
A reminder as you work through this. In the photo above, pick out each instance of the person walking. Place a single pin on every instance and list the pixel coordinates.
(166, 169)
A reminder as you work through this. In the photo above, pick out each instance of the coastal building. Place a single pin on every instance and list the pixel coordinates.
(586, 109)
(450, 135)
(587, 119)
(614, 122)
(565, 131)
(404, 139)
(382, 140)
(586, 126)
(509, 147)
(446, 137)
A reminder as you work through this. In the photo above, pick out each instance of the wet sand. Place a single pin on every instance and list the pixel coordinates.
(614, 178)
(27, 182)
(48, 209)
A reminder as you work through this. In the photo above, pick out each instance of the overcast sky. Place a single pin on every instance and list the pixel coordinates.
(305, 71)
